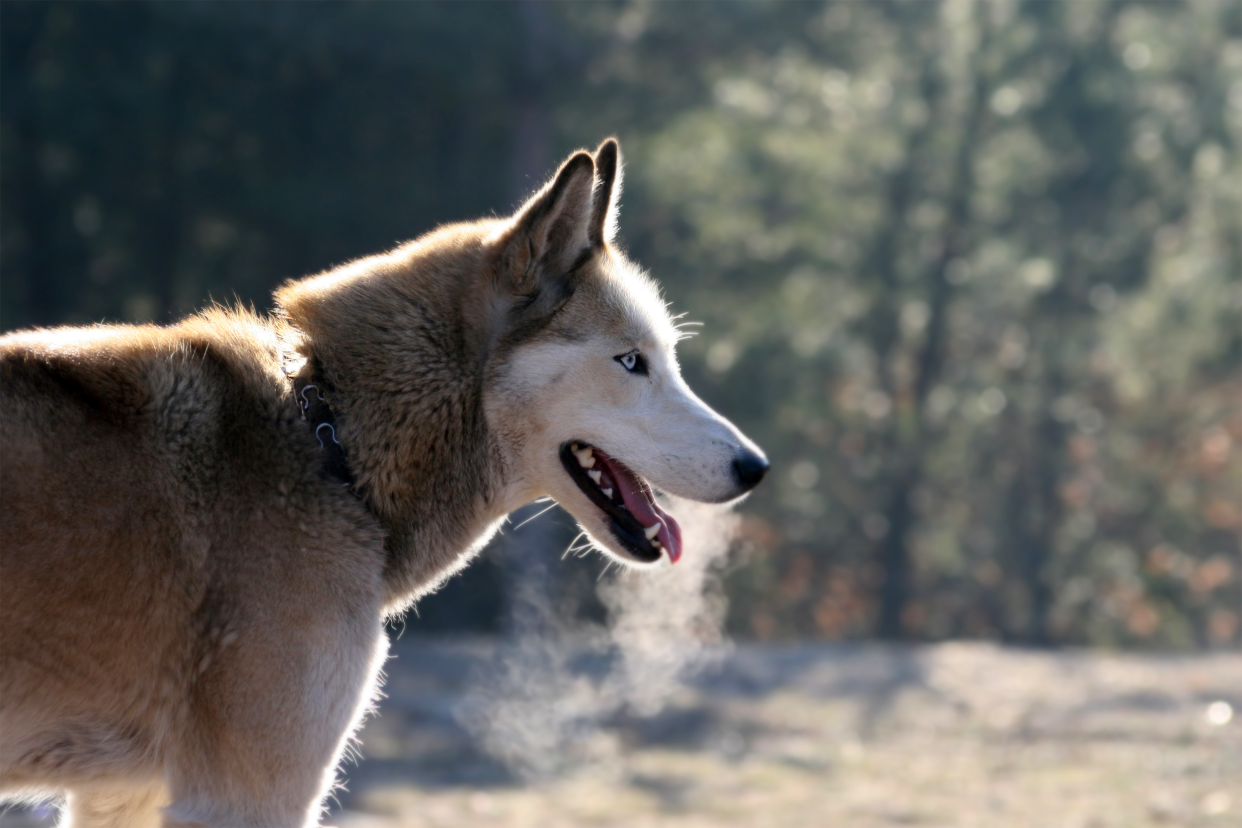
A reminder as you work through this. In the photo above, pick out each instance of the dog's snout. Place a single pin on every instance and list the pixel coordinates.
(749, 468)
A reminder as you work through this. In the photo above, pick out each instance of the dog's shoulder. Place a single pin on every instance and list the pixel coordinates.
(162, 381)
(194, 422)
(204, 400)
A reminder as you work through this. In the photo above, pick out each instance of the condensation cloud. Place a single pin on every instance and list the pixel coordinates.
(544, 703)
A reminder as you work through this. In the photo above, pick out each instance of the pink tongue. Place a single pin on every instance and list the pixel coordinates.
(647, 511)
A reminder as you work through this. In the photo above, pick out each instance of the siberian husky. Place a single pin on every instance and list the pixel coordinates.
(205, 524)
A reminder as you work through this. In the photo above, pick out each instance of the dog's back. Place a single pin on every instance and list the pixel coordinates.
(163, 506)
(85, 535)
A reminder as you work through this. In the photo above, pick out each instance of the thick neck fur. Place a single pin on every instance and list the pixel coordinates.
(397, 339)
(405, 341)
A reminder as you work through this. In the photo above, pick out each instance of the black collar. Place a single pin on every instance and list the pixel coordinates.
(312, 396)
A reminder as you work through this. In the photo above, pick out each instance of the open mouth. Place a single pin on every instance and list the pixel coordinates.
(636, 520)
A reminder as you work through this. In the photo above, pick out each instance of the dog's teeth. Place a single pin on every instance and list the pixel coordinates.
(652, 530)
(586, 457)
(656, 544)
(595, 476)
(608, 493)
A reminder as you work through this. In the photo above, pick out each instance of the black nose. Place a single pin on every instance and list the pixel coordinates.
(749, 468)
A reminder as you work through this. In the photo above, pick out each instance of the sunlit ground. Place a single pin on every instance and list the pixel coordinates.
(809, 735)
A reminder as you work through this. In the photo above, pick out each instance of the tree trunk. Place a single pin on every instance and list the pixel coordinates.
(907, 450)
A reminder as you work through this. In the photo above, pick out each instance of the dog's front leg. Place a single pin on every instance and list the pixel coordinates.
(115, 806)
(269, 732)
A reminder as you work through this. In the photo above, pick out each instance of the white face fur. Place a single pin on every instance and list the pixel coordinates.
(592, 410)
(618, 389)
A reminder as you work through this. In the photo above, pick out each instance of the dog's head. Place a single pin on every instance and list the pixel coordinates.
(584, 388)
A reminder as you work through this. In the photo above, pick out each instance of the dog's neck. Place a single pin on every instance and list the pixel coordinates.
(312, 393)
(407, 399)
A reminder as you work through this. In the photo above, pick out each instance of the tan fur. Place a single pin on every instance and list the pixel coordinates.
(190, 610)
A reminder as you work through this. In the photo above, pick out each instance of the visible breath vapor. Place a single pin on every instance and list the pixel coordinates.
(544, 702)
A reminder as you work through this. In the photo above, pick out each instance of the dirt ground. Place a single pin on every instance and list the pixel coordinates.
(827, 735)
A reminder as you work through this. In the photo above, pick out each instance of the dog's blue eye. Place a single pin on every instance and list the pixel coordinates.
(633, 362)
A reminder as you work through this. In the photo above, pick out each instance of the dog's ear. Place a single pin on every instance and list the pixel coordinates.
(603, 225)
(551, 233)
(557, 230)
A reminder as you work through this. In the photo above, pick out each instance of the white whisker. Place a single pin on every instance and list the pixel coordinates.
(682, 333)
(532, 517)
(570, 548)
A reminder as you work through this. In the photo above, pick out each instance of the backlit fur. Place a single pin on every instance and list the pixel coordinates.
(190, 609)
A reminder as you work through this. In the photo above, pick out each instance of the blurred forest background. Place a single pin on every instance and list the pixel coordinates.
(971, 272)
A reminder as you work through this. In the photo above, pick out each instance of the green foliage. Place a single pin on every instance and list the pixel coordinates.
(971, 271)
(156, 155)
